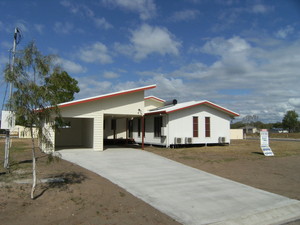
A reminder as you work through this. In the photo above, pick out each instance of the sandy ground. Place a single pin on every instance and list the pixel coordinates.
(86, 198)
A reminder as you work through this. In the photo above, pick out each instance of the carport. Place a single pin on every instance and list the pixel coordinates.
(75, 133)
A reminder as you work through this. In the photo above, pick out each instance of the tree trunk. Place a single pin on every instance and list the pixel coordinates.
(33, 165)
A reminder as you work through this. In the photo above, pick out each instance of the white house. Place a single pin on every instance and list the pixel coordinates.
(121, 116)
(194, 122)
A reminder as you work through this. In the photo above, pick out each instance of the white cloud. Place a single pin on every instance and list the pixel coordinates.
(90, 86)
(63, 28)
(284, 32)
(221, 46)
(70, 67)
(260, 8)
(101, 22)
(243, 78)
(84, 11)
(110, 75)
(39, 28)
(145, 8)
(184, 15)
(148, 40)
(95, 53)
(295, 102)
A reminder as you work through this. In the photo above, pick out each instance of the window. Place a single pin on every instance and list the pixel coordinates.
(61, 124)
(130, 128)
(139, 127)
(157, 126)
(207, 126)
(195, 126)
(113, 124)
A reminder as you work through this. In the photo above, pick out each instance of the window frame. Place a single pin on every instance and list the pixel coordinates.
(195, 126)
(158, 123)
(207, 127)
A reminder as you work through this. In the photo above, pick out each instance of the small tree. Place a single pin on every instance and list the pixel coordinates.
(38, 84)
(290, 121)
(250, 120)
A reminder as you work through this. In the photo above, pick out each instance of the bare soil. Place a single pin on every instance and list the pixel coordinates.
(86, 198)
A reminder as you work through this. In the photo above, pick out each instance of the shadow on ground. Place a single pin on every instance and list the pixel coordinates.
(258, 153)
(62, 181)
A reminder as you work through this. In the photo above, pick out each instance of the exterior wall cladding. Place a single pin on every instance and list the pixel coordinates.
(179, 124)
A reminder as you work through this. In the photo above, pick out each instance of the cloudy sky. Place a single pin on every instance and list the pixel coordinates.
(241, 54)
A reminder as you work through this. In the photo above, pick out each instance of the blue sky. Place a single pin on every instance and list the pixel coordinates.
(243, 55)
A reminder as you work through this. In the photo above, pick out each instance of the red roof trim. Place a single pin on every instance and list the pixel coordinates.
(153, 113)
(106, 96)
(153, 97)
(208, 103)
(201, 103)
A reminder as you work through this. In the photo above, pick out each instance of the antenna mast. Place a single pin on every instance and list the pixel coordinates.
(17, 38)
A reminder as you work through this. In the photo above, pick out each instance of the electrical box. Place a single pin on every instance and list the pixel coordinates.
(8, 120)
(178, 140)
(189, 140)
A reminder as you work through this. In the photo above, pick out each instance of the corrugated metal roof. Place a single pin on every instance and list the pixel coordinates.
(155, 98)
(185, 105)
(65, 104)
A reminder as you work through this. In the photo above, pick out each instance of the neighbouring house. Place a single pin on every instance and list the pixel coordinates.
(23, 132)
(278, 130)
(236, 134)
(127, 115)
(250, 130)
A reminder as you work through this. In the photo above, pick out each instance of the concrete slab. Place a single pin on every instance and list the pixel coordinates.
(186, 194)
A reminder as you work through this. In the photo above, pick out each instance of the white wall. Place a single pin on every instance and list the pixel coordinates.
(88, 133)
(152, 104)
(149, 131)
(180, 124)
(120, 125)
(88, 110)
(127, 104)
(236, 134)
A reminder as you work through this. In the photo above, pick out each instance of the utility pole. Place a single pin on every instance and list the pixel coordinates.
(17, 36)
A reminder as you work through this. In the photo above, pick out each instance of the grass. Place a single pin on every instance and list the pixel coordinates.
(238, 149)
(279, 135)
(20, 161)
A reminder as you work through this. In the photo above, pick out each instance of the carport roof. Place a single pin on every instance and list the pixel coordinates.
(65, 104)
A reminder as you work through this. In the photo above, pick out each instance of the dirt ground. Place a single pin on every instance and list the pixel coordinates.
(86, 198)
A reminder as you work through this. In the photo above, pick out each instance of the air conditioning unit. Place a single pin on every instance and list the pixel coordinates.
(222, 140)
(188, 140)
(178, 141)
(163, 131)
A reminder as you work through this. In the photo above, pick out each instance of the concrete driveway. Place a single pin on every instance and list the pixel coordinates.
(188, 195)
